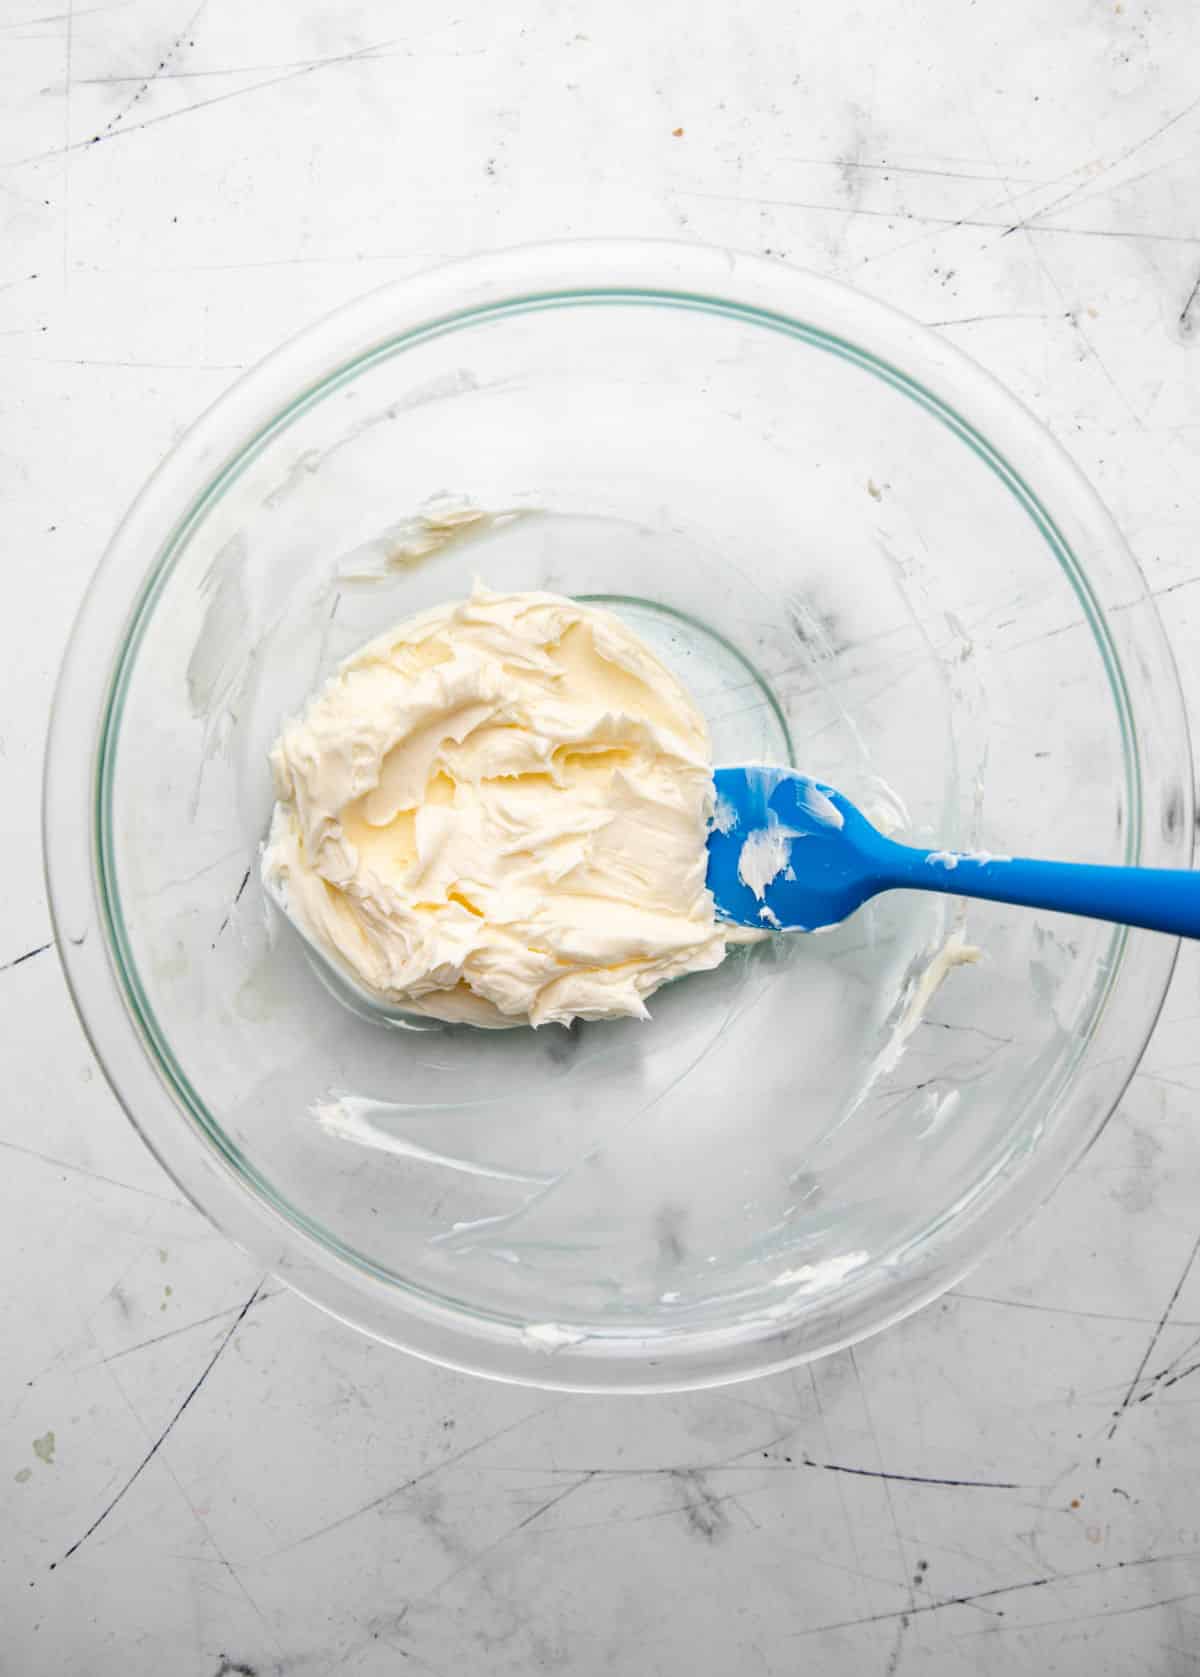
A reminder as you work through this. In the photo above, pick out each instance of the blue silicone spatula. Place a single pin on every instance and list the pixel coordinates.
(789, 853)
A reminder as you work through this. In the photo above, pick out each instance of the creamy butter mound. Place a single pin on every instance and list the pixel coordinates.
(497, 812)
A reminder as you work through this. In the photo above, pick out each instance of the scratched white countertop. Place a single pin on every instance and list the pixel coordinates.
(200, 1474)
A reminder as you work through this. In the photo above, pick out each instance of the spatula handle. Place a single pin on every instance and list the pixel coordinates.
(1161, 899)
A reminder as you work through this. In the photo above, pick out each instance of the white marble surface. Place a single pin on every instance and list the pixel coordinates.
(184, 182)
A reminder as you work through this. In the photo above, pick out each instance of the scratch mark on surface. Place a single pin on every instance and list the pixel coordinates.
(975, 1030)
(27, 956)
(921, 220)
(545, 1507)
(290, 262)
(475, 1560)
(1157, 1076)
(893, 1664)
(66, 203)
(1074, 318)
(237, 899)
(1119, 1413)
(139, 366)
(1185, 314)
(164, 1434)
(1062, 1310)
(264, 66)
(92, 1175)
(1150, 236)
(1130, 151)
(989, 1595)
(847, 1523)
(1009, 201)
(739, 1464)
(361, 53)
(1085, 1618)
(197, 873)
(166, 59)
(1171, 1373)
(379, 55)
(1123, 185)
(905, 1568)
(734, 1498)
(1180, 1356)
(886, 168)
(417, 1479)
(222, 1559)
(974, 319)
(921, 1478)
(173, 1333)
(59, 17)
(1182, 1375)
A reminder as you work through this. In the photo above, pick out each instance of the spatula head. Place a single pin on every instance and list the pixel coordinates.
(788, 853)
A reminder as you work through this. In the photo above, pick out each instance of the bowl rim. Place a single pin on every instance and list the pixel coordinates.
(77, 842)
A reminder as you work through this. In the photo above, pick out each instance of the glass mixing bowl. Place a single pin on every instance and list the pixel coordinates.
(864, 558)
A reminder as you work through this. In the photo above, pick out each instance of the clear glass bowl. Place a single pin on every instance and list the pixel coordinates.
(864, 557)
